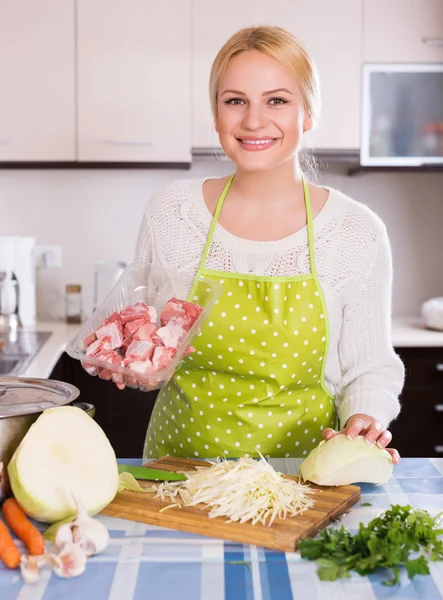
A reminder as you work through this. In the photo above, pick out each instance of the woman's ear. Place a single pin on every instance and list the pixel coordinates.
(307, 123)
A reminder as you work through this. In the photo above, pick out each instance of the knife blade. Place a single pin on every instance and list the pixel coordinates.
(150, 474)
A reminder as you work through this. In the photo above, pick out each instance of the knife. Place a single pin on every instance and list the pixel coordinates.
(147, 473)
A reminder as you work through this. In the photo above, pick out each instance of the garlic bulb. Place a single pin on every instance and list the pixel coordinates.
(88, 533)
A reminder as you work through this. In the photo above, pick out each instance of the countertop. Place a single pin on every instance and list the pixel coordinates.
(406, 332)
(144, 561)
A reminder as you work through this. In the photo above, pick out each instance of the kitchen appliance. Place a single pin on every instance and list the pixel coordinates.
(402, 115)
(17, 282)
(106, 275)
(329, 504)
(22, 401)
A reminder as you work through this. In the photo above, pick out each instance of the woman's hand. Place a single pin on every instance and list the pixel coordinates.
(373, 431)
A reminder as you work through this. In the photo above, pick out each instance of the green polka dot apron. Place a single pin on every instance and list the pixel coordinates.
(256, 379)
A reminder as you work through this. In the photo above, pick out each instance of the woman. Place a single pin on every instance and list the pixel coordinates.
(300, 337)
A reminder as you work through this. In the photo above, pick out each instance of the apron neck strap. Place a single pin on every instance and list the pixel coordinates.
(309, 226)
(213, 224)
(218, 211)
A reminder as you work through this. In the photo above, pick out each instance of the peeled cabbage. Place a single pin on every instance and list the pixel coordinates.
(341, 461)
(64, 451)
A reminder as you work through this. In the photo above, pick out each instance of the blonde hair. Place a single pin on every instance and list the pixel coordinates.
(279, 44)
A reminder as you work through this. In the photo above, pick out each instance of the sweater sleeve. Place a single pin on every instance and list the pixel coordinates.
(372, 374)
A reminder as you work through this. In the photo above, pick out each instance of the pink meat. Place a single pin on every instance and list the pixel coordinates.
(139, 350)
(126, 343)
(90, 339)
(142, 366)
(171, 334)
(114, 317)
(133, 326)
(104, 343)
(185, 313)
(138, 311)
(146, 331)
(113, 330)
(162, 357)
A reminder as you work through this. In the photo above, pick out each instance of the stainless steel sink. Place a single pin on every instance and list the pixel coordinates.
(8, 365)
(17, 349)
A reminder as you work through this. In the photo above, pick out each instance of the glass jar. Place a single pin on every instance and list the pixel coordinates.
(73, 303)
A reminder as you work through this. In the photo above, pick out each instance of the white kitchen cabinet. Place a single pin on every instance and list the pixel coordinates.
(330, 30)
(134, 77)
(37, 63)
(403, 31)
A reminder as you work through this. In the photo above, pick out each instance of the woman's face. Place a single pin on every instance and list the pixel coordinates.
(261, 114)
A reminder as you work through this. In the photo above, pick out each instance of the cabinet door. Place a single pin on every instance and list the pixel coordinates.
(37, 99)
(333, 41)
(403, 31)
(134, 80)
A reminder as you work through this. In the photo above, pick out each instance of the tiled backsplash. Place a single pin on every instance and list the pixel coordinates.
(95, 215)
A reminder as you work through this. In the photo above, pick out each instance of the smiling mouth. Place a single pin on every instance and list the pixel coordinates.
(256, 144)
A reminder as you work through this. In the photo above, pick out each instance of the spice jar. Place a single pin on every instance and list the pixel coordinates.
(73, 303)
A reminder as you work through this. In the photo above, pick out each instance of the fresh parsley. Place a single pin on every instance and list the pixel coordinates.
(386, 542)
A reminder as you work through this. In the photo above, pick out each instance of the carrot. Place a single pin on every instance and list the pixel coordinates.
(9, 553)
(17, 520)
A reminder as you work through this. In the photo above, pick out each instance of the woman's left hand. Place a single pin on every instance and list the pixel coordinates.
(374, 432)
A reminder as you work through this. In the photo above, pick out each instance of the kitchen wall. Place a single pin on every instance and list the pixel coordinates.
(95, 215)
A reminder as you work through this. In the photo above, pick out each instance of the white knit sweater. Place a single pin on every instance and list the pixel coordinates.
(353, 259)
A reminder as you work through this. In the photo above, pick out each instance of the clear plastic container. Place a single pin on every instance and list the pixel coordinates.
(155, 286)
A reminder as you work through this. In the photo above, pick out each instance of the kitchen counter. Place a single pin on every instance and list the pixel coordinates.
(406, 332)
(144, 561)
(46, 358)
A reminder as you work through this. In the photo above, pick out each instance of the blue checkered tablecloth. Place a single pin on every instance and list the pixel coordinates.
(144, 562)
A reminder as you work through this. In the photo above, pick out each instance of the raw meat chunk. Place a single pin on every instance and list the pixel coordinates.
(114, 317)
(139, 310)
(185, 313)
(113, 330)
(146, 331)
(162, 357)
(104, 343)
(91, 338)
(139, 350)
(133, 326)
(171, 334)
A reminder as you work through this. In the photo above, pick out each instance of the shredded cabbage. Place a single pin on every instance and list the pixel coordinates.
(242, 490)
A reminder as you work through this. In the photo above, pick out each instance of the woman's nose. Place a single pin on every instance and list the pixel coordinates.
(253, 117)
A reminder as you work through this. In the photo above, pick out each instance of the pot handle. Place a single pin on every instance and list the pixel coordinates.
(88, 408)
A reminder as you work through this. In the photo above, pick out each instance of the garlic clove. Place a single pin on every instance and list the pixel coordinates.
(91, 535)
(87, 532)
(63, 536)
(30, 567)
(70, 562)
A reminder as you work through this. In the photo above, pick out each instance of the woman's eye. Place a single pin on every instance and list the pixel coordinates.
(234, 101)
(275, 101)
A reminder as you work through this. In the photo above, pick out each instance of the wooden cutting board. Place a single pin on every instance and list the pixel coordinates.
(329, 504)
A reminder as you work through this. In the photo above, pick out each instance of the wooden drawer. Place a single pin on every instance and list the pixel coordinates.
(421, 406)
(418, 442)
(424, 366)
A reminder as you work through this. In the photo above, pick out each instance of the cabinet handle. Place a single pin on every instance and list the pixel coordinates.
(432, 41)
(128, 142)
(439, 367)
(438, 449)
(439, 407)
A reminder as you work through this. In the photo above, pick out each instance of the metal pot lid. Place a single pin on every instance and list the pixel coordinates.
(28, 395)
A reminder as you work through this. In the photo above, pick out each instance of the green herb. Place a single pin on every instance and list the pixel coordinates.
(240, 562)
(366, 504)
(386, 542)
